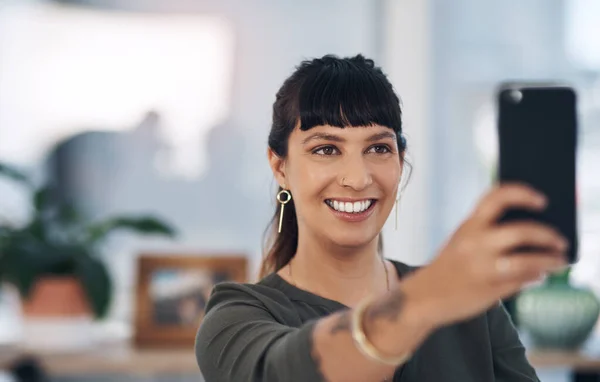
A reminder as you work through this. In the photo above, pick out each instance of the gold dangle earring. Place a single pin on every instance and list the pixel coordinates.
(282, 203)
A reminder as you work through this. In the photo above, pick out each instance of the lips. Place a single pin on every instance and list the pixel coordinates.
(351, 211)
(357, 206)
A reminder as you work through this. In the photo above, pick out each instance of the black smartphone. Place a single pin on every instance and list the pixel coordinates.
(537, 131)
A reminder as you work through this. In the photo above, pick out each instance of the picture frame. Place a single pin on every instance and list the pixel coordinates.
(172, 291)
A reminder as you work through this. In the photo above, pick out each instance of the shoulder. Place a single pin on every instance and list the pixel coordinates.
(241, 323)
(500, 322)
(251, 297)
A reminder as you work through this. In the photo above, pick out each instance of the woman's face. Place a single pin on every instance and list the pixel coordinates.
(343, 182)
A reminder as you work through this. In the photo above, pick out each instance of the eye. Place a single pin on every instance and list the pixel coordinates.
(326, 150)
(379, 149)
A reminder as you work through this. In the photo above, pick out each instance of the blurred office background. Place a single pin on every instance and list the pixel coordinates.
(163, 107)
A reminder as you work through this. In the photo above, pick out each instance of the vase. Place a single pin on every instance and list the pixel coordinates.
(557, 316)
(57, 316)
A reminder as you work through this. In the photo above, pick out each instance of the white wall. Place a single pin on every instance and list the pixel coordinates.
(407, 59)
(228, 208)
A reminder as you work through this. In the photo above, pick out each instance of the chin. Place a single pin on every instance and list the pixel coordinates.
(355, 239)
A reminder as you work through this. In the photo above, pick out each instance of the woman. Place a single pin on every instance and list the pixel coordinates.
(330, 307)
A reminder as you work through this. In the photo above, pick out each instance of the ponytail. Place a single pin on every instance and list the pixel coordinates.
(280, 247)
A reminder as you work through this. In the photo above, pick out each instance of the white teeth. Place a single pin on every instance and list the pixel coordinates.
(349, 207)
(352, 207)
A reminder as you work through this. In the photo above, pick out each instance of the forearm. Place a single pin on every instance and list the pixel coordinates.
(393, 323)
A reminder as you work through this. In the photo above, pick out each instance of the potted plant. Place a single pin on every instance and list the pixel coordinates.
(558, 314)
(53, 259)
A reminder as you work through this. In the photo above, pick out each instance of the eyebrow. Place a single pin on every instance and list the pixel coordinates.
(337, 138)
(383, 135)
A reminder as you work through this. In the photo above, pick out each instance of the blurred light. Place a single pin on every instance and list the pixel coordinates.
(64, 70)
(486, 134)
(5, 377)
(582, 31)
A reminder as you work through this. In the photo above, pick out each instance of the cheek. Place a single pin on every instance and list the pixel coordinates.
(388, 178)
(310, 180)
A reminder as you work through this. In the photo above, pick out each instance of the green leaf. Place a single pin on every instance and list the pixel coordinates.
(25, 258)
(58, 260)
(14, 174)
(68, 214)
(2, 267)
(19, 268)
(37, 229)
(42, 198)
(96, 283)
(143, 225)
(5, 233)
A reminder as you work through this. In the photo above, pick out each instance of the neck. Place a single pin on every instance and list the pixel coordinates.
(338, 273)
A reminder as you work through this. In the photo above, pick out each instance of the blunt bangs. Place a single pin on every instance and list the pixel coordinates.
(347, 95)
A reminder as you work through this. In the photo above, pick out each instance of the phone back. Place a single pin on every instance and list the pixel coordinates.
(537, 130)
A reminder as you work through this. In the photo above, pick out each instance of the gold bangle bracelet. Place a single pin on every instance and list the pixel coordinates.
(362, 342)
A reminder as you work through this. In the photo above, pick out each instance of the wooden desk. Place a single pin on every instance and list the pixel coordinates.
(587, 358)
(585, 363)
(111, 359)
(121, 358)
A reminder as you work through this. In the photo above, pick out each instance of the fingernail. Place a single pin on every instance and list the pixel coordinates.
(542, 201)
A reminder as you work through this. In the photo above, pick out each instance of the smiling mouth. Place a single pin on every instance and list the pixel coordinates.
(358, 207)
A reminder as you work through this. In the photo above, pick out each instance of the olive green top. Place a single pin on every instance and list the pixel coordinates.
(263, 333)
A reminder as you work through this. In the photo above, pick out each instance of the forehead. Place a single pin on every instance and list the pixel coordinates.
(346, 133)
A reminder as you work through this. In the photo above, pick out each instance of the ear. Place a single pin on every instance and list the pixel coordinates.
(277, 165)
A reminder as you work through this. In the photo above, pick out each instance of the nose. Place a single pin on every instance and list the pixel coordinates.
(356, 174)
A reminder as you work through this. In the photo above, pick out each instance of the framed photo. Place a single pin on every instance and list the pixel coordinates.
(172, 292)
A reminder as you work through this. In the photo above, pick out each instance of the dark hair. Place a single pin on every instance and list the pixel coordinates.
(332, 91)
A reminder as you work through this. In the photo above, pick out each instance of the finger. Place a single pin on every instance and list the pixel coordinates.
(512, 287)
(507, 196)
(525, 267)
(519, 234)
